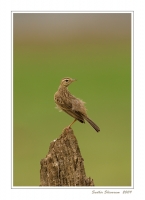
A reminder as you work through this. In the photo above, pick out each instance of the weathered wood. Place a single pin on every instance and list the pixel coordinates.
(64, 165)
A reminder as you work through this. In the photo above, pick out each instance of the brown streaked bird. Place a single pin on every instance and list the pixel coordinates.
(73, 106)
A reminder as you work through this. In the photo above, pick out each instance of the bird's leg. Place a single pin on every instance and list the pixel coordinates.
(71, 124)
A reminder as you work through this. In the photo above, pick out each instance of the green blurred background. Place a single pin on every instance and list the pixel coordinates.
(94, 48)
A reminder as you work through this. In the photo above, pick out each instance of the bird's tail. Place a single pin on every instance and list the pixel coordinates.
(92, 123)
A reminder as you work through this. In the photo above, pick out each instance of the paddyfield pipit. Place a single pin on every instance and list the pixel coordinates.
(73, 106)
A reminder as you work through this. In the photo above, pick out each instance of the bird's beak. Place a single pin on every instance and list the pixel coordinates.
(73, 80)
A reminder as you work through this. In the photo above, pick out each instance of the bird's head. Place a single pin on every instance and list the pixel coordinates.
(67, 81)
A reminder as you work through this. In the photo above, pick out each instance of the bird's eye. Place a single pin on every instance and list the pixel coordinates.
(66, 80)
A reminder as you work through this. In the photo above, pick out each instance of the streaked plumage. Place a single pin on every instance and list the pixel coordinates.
(73, 106)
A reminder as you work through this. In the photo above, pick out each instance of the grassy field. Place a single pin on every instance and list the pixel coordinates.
(103, 72)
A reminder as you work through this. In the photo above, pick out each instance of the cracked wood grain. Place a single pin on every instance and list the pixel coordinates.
(64, 165)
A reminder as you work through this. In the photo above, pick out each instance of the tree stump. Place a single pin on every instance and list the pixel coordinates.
(64, 165)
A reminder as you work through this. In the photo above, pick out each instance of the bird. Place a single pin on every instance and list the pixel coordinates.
(71, 105)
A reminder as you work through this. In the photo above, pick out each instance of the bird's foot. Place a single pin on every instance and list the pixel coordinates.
(67, 128)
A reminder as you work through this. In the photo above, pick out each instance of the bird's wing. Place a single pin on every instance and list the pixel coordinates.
(67, 107)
